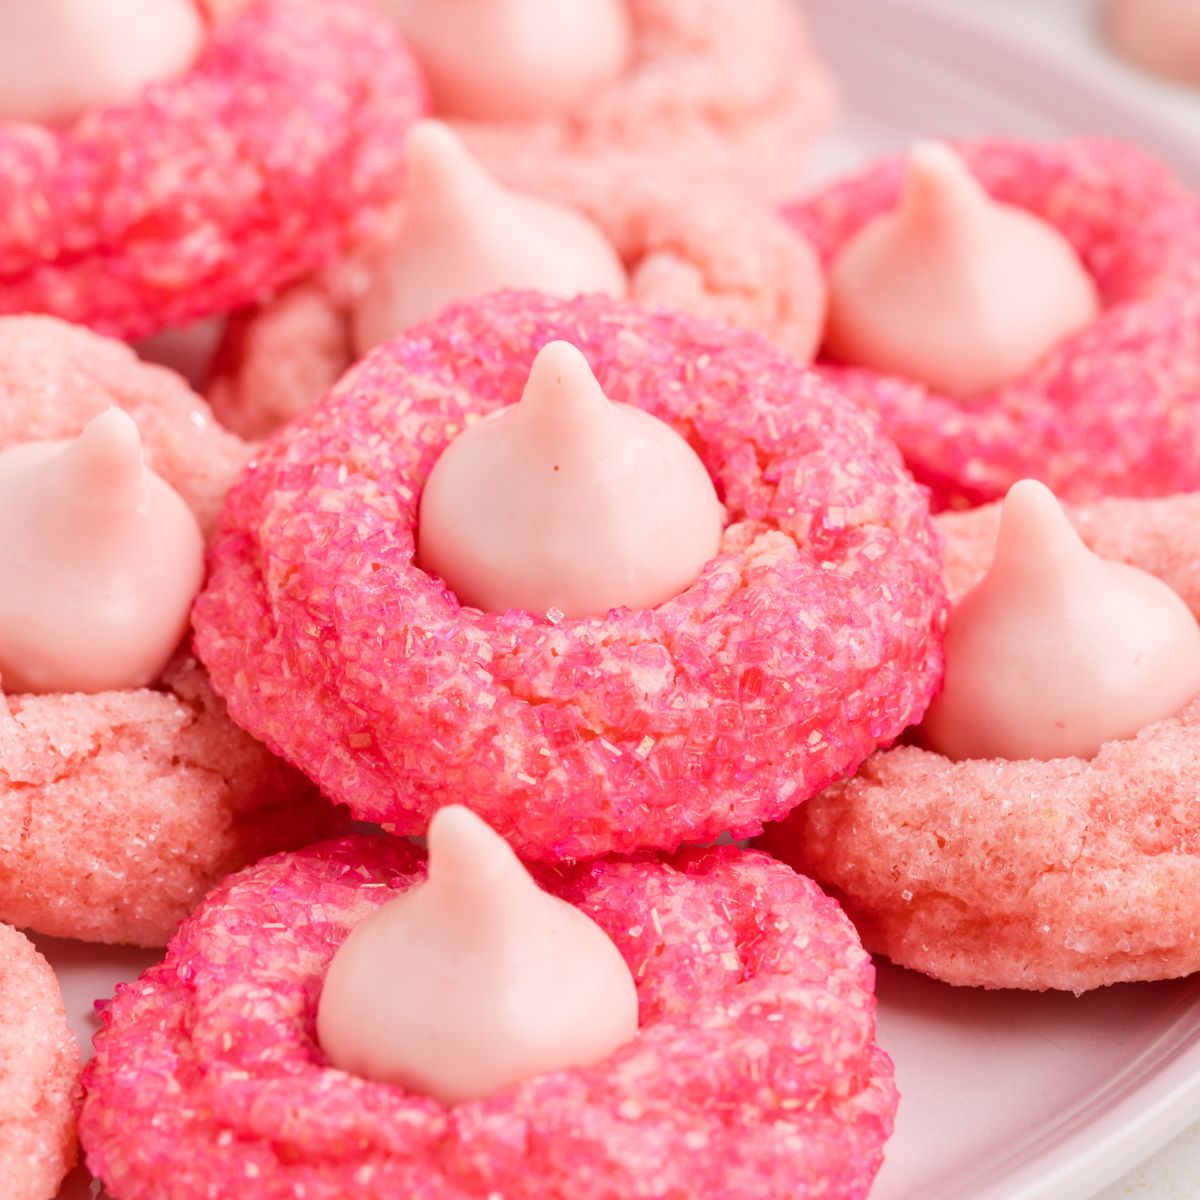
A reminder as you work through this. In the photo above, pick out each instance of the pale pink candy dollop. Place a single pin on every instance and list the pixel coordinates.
(502, 60)
(464, 235)
(952, 288)
(1057, 651)
(100, 560)
(568, 502)
(1160, 35)
(475, 979)
(62, 58)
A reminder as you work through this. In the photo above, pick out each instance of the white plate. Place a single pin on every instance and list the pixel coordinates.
(1005, 1096)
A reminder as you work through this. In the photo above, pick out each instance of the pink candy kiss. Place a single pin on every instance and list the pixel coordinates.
(475, 979)
(1056, 651)
(100, 558)
(465, 235)
(568, 502)
(952, 288)
(62, 58)
(498, 60)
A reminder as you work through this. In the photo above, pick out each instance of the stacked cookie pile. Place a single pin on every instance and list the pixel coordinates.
(524, 527)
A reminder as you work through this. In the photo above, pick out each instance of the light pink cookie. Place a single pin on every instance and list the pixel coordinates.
(1067, 873)
(39, 1074)
(119, 810)
(715, 92)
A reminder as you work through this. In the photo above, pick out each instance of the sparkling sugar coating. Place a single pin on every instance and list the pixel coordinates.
(279, 148)
(754, 1073)
(813, 637)
(1114, 410)
(703, 251)
(119, 810)
(1065, 874)
(39, 1074)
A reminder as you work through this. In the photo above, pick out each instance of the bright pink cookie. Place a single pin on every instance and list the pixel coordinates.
(119, 810)
(812, 638)
(710, 254)
(281, 147)
(39, 1074)
(1067, 873)
(1115, 409)
(755, 1000)
(715, 91)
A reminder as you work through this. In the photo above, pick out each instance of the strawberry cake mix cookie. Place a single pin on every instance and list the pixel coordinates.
(463, 234)
(701, 1026)
(1088, 380)
(125, 791)
(1041, 831)
(711, 588)
(163, 160)
(590, 95)
(39, 1074)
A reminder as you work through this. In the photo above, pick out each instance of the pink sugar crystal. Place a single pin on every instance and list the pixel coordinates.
(755, 1072)
(39, 1074)
(1113, 410)
(811, 639)
(278, 149)
(1061, 874)
(119, 810)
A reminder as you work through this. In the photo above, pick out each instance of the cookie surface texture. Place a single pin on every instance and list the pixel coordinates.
(1067, 873)
(1113, 410)
(39, 1074)
(810, 639)
(208, 1073)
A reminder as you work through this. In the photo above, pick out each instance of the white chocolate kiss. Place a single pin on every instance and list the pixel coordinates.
(1056, 651)
(952, 288)
(498, 60)
(464, 235)
(475, 979)
(62, 58)
(100, 562)
(568, 502)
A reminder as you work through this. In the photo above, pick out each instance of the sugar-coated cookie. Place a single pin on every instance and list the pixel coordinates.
(280, 147)
(119, 809)
(810, 639)
(39, 1074)
(1069, 873)
(1110, 410)
(755, 998)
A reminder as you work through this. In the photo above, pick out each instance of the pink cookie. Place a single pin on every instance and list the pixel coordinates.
(279, 148)
(119, 810)
(1067, 873)
(715, 91)
(811, 638)
(710, 254)
(39, 1074)
(1113, 410)
(754, 1073)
